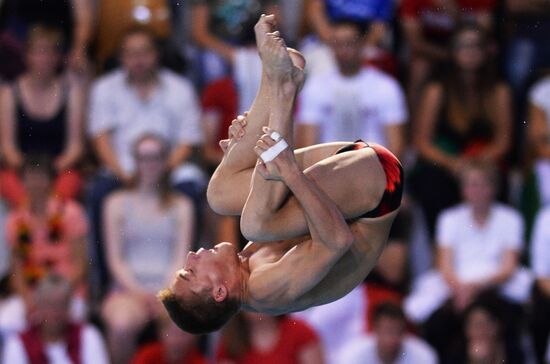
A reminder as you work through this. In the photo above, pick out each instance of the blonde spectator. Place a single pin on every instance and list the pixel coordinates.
(148, 231)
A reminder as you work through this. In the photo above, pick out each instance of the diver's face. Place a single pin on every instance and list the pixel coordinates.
(206, 268)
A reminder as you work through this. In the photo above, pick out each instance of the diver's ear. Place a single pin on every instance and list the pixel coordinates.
(220, 293)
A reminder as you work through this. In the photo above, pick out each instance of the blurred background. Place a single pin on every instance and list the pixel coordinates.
(110, 117)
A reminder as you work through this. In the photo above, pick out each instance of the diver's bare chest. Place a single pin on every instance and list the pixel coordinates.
(260, 254)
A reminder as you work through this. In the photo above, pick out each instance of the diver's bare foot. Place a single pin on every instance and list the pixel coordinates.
(279, 66)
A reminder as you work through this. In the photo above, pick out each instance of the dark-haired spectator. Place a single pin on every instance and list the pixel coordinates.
(428, 25)
(74, 17)
(140, 98)
(148, 232)
(252, 338)
(351, 102)
(173, 347)
(540, 260)
(467, 114)
(220, 29)
(46, 236)
(41, 112)
(52, 336)
(389, 343)
(479, 244)
(486, 335)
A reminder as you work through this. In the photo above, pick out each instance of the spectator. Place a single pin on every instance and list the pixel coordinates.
(428, 25)
(389, 343)
(337, 106)
(536, 191)
(220, 28)
(479, 243)
(465, 115)
(46, 236)
(42, 113)
(174, 347)
(540, 260)
(259, 338)
(136, 99)
(486, 339)
(52, 336)
(353, 102)
(76, 17)
(148, 231)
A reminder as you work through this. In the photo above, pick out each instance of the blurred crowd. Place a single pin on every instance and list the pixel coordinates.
(110, 117)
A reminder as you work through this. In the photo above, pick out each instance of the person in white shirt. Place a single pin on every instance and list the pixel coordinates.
(479, 242)
(540, 262)
(351, 102)
(52, 338)
(389, 344)
(141, 98)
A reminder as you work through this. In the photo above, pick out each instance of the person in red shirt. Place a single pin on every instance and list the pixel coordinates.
(174, 347)
(252, 338)
(427, 26)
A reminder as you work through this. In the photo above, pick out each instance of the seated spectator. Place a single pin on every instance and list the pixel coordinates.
(75, 17)
(220, 28)
(174, 347)
(148, 232)
(479, 243)
(536, 191)
(389, 343)
(465, 115)
(136, 99)
(486, 337)
(47, 236)
(52, 337)
(428, 25)
(252, 338)
(351, 102)
(41, 112)
(540, 261)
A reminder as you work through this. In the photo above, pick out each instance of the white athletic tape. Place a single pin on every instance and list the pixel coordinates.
(275, 136)
(274, 151)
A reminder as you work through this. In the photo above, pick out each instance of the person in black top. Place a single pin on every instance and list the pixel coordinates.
(41, 113)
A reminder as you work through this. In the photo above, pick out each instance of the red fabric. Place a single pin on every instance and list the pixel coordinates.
(375, 295)
(67, 185)
(154, 354)
(436, 23)
(221, 96)
(414, 8)
(35, 347)
(294, 336)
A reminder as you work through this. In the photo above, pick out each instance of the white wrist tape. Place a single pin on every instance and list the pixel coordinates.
(274, 151)
(275, 136)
